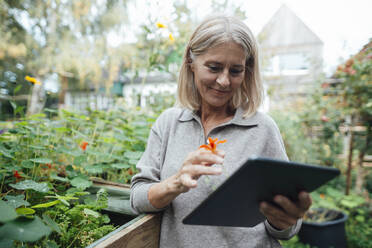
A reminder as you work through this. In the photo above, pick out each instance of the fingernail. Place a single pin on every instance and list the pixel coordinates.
(217, 170)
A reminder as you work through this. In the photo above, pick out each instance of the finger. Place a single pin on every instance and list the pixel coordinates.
(187, 181)
(195, 171)
(276, 214)
(289, 207)
(205, 157)
(220, 153)
(305, 200)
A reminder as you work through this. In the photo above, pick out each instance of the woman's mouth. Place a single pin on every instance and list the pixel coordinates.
(218, 91)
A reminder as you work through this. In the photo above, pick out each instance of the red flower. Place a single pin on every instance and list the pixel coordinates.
(83, 145)
(16, 174)
(212, 144)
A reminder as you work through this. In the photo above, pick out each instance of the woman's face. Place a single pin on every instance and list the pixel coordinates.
(218, 74)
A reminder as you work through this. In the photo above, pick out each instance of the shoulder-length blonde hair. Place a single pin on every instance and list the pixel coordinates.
(212, 32)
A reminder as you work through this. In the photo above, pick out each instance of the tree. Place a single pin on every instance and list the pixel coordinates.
(68, 38)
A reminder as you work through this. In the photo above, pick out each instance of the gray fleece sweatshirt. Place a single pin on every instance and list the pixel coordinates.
(178, 132)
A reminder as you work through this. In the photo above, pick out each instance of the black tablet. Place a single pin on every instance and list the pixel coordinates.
(236, 201)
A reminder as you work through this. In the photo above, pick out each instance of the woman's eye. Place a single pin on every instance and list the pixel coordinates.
(214, 68)
(236, 71)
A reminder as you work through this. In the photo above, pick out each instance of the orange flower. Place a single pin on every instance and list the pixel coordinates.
(83, 145)
(16, 174)
(322, 196)
(212, 144)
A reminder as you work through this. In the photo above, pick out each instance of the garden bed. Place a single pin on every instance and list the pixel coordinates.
(134, 231)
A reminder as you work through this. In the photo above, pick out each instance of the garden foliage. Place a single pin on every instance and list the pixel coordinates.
(47, 161)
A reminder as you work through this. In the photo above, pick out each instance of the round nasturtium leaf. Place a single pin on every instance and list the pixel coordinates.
(81, 183)
(27, 164)
(133, 155)
(16, 201)
(30, 184)
(7, 213)
(23, 229)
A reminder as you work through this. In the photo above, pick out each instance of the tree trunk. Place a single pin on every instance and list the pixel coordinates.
(350, 157)
(62, 91)
(361, 172)
(36, 100)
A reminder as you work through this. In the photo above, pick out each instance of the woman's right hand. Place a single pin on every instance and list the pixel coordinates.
(196, 164)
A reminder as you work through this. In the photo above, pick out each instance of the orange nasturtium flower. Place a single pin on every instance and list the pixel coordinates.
(160, 25)
(16, 174)
(212, 144)
(322, 196)
(32, 80)
(83, 145)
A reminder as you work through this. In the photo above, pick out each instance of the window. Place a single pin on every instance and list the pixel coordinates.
(288, 64)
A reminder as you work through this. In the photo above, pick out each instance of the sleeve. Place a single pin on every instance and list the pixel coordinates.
(283, 234)
(274, 145)
(275, 148)
(149, 167)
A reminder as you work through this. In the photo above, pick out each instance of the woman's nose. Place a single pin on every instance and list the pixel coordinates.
(223, 79)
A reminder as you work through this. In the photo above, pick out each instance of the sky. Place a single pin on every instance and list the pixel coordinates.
(344, 26)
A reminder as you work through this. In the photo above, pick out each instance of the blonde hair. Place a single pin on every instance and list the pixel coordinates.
(212, 32)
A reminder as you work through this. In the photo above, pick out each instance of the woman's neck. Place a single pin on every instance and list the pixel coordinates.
(212, 117)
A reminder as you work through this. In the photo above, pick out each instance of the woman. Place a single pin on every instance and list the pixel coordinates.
(219, 92)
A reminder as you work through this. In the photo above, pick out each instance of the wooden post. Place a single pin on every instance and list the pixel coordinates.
(350, 157)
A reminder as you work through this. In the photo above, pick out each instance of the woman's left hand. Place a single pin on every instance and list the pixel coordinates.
(289, 214)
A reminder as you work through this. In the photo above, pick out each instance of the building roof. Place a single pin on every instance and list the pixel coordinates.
(286, 29)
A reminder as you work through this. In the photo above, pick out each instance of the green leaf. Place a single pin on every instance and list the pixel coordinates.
(120, 166)
(133, 161)
(94, 169)
(46, 205)
(360, 218)
(7, 213)
(25, 211)
(14, 105)
(58, 178)
(88, 211)
(80, 159)
(62, 129)
(133, 155)
(16, 201)
(5, 152)
(23, 229)
(6, 243)
(81, 183)
(30, 184)
(51, 244)
(68, 151)
(42, 160)
(51, 223)
(16, 89)
(27, 164)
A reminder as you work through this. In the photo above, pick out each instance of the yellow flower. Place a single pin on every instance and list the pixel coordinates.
(171, 38)
(160, 25)
(32, 80)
